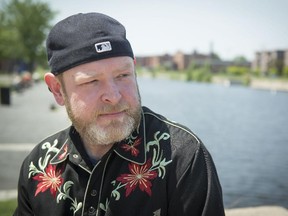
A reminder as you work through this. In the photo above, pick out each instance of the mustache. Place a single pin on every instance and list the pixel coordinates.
(107, 108)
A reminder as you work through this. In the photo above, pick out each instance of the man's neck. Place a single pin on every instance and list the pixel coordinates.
(96, 152)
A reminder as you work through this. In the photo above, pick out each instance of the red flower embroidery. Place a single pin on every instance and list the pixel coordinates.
(132, 148)
(64, 152)
(140, 175)
(51, 179)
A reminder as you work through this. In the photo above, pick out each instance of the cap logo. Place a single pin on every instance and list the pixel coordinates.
(103, 47)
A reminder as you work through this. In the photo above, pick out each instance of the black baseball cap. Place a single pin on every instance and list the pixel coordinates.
(84, 38)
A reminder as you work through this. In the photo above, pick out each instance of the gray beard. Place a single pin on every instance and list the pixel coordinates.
(115, 132)
(93, 134)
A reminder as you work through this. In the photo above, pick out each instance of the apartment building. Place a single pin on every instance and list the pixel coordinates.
(266, 61)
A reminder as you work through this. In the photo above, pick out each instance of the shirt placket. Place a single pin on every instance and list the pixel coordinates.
(93, 191)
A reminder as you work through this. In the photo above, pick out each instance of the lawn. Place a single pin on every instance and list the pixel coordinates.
(7, 207)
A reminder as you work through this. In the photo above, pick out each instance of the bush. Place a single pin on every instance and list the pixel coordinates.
(199, 75)
(273, 71)
(237, 70)
(285, 72)
(256, 72)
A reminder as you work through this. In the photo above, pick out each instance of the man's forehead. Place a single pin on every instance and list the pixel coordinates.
(101, 67)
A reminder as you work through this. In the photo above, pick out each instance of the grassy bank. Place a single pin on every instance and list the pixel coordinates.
(7, 207)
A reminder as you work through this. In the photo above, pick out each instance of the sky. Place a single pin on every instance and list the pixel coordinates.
(230, 28)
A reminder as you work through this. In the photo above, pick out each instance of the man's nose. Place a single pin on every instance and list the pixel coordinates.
(111, 93)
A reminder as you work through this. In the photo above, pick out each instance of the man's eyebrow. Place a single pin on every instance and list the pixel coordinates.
(126, 66)
(79, 76)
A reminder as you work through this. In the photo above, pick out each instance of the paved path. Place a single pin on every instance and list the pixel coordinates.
(258, 211)
(29, 118)
(23, 124)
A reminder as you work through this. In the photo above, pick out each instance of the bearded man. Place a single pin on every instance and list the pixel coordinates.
(118, 157)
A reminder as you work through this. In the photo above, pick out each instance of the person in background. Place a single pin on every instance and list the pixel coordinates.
(118, 157)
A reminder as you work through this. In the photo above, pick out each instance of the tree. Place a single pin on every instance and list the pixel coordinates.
(240, 60)
(237, 70)
(23, 29)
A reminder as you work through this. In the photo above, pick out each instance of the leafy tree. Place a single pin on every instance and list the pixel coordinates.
(198, 74)
(237, 70)
(23, 29)
(240, 60)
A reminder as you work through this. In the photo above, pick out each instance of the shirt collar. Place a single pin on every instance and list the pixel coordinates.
(132, 149)
(73, 149)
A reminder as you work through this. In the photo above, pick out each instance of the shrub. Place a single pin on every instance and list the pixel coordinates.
(237, 70)
(199, 75)
(285, 72)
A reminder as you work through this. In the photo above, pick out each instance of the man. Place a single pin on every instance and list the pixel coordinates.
(117, 158)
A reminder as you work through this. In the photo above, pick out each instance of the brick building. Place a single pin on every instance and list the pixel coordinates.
(181, 61)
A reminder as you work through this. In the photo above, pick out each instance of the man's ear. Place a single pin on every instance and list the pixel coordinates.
(55, 87)
(134, 60)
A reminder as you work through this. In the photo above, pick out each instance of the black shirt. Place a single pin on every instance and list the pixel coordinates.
(162, 168)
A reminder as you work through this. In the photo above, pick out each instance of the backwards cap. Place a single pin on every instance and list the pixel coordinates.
(83, 38)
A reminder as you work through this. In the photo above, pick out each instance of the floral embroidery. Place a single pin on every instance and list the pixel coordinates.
(132, 147)
(64, 152)
(139, 175)
(50, 178)
(142, 175)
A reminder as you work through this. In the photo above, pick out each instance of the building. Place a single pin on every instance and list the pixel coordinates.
(181, 61)
(270, 61)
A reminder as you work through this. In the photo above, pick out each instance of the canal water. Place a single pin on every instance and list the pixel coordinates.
(245, 130)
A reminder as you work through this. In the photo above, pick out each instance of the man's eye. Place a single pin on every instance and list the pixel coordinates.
(123, 75)
(91, 82)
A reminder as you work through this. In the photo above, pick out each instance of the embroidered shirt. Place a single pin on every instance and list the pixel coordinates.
(161, 169)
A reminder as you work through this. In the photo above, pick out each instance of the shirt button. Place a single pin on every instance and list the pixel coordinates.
(91, 210)
(75, 156)
(93, 192)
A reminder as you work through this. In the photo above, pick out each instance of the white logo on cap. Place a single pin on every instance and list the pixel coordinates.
(103, 47)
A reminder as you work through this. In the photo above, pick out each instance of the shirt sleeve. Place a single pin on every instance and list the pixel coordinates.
(24, 206)
(198, 191)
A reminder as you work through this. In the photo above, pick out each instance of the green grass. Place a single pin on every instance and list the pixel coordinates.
(7, 207)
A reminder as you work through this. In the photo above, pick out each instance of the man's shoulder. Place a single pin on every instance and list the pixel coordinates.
(59, 135)
(180, 142)
(55, 141)
(177, 131)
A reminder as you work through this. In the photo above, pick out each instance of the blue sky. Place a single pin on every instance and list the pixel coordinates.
(230, 27)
